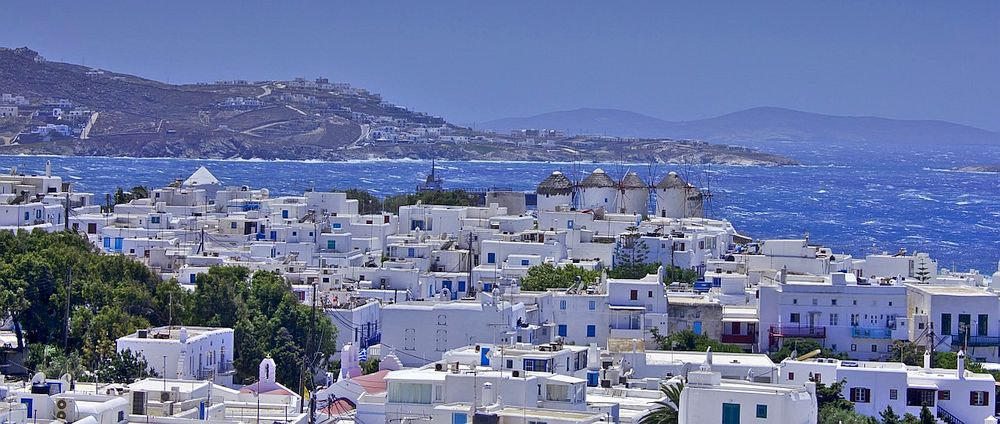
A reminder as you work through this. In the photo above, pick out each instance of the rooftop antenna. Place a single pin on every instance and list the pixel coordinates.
(708, 189)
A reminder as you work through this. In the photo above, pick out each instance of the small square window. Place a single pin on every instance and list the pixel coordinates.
(795, 301)
(979, 398)
(944, 394)
(791, 376)
(874, 348)
(893, 394)
(854, 348)
(833, 302)
(761, 411)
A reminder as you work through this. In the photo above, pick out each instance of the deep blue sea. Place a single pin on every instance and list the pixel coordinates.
(854, 198)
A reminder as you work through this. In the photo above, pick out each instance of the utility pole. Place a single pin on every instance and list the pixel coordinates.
(307, 361)
(66, 214)
(69, 292)
(471, 286)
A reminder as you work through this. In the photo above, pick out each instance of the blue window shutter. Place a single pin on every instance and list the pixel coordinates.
(562, 330)
(591, 330)
(491, 258)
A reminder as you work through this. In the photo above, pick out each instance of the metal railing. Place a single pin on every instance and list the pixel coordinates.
(947, 416)
(814, 332)
(871, 333)
(977, 341)
(739, 338)
(211, 371)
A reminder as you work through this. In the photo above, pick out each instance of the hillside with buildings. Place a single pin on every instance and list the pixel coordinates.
(66, 109)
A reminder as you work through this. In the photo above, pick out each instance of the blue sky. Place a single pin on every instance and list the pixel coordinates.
(473, 61)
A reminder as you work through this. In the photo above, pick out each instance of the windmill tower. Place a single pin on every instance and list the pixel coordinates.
(598, 190)
(671, 196)
(554, 191)
(633, 194)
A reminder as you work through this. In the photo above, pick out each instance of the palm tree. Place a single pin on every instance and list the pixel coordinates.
(668, 410)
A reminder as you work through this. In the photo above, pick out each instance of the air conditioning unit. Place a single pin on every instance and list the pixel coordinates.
(166, 396)
(515, 373)
(65, 410)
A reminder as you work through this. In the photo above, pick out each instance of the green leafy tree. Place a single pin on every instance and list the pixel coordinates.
(370, 365)
(803, 346)
(630, 255)
(633, 271)
(667, 411)
(449, 198)
(832, 397)
(13, 300)
(123, 367)
(54, 362)
(909, 418)
(683, 275)
(926, 416)
(688, 341)
(367, 202)
(109, 296)
(841, 416)
(137, 192)
(547, 276)
(889, 416)
(268, 321)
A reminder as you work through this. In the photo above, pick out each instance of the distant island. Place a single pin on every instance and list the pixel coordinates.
(66, 109)
(755, 126)
(980, 168)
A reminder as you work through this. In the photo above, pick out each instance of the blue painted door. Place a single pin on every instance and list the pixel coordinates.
(730, 413)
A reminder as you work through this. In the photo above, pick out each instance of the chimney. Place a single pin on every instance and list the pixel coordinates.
(48, 168)
(961, 365)
(927, 359)
(783, 275)
(488, 394)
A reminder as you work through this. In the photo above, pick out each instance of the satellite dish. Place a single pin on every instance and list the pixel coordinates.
(39, 377)
(67, 378)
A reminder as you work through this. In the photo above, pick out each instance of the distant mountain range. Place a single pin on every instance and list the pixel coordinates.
(760, 124)
(68, 109)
